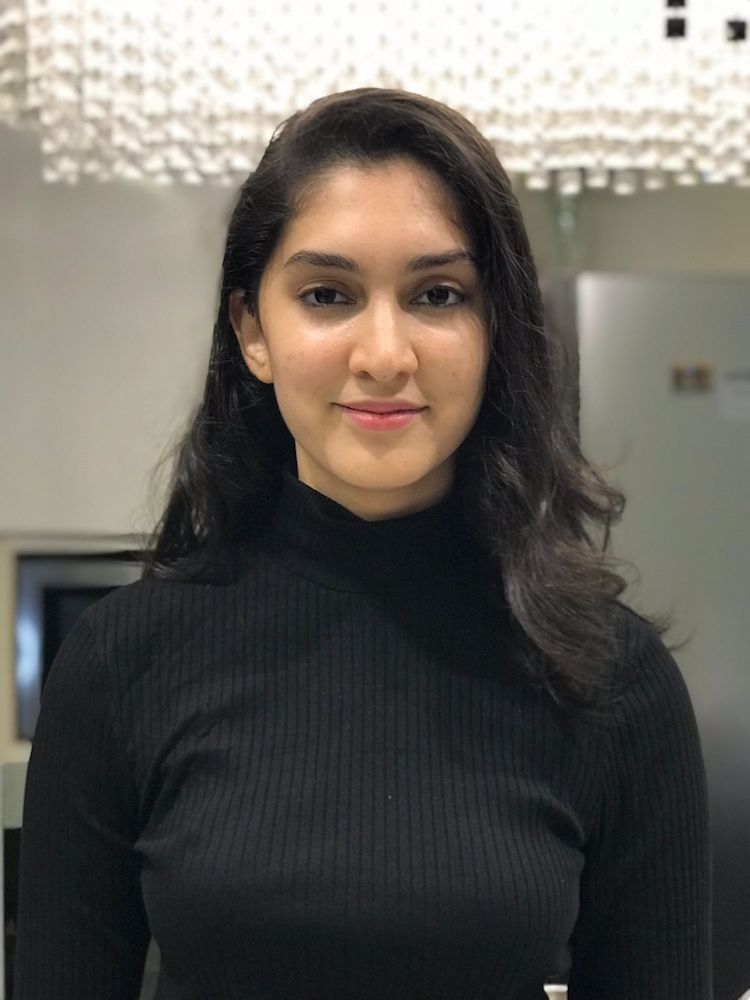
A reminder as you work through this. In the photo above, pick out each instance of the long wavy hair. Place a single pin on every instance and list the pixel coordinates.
(539, 511)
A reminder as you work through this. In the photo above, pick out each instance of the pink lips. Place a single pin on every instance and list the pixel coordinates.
(383, 419)
(382, 406)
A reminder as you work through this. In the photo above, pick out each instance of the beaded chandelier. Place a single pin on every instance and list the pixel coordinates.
(622, 94)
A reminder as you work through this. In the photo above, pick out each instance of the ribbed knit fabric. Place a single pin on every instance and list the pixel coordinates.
(328, 778)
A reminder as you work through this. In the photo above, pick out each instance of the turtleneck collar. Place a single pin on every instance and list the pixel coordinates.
(324, 541)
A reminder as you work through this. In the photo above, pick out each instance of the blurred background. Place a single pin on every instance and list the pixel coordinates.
(124, 134)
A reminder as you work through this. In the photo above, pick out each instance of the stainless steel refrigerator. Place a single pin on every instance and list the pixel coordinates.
(660, 380)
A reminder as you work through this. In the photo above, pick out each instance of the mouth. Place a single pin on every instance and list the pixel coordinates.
(381, 411)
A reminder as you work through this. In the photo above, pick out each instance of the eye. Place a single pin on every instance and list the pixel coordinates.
(322, 296)
(438, 295)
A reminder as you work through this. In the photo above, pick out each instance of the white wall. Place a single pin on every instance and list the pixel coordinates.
(705, 230)
(107, 299)
(106, 303)
(681, 459)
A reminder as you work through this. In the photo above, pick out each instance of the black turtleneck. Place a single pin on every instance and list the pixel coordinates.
(329, 778)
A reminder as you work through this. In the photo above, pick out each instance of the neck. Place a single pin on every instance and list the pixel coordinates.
(325, 541)
(378, 504)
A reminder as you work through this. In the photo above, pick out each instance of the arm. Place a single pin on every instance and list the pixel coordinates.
(643, 931)
(82, 930)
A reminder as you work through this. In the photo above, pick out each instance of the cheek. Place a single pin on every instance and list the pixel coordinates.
(478, 361)
(465, 370)
(306, 368)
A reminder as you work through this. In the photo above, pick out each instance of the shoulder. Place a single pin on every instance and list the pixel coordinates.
(633, 632)
(139, 607)
(642, 653)
(651, 694)
(140, 621)
(111, 645)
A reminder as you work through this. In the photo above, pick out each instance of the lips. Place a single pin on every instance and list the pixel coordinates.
(375, 407)
(389, 420)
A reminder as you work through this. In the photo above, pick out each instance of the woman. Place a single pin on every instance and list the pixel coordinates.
(374, 725)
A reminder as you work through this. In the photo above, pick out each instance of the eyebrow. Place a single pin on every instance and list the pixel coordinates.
(335, 261)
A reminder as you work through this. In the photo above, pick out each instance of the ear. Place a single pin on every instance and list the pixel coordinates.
(250, 338)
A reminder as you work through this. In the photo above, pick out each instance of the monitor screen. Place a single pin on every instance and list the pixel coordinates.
(53, 591)
(61, 609)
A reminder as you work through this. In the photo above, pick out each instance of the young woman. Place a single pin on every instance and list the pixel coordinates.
(374, 724)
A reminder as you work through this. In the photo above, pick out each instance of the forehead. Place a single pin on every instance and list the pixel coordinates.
(352, 200)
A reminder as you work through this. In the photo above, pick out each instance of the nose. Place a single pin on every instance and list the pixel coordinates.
(382, 343)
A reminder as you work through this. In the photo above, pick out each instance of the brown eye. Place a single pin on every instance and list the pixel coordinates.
(322, 296)
(439, 297)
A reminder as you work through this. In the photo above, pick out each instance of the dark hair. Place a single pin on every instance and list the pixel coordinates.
(535, 505)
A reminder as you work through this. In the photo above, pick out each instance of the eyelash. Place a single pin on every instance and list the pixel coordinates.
(462, 298)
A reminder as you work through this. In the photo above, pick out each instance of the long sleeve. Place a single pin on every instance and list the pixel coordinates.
(644, 926)
(82, 927)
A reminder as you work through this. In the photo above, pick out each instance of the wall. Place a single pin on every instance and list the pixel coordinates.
(679, 457)
(705, 229)
(107, 298)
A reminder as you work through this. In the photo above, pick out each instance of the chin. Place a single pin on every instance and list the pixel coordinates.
(380, 478)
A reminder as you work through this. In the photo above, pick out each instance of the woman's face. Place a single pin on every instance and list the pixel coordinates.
(371, 297)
